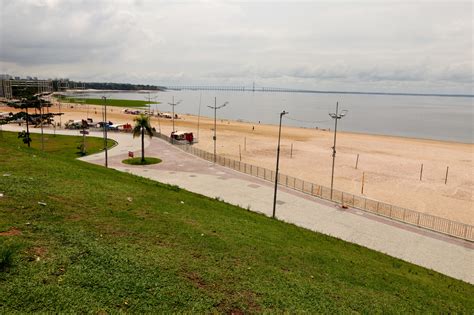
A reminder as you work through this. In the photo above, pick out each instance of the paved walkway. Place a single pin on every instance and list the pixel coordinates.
(441, 253)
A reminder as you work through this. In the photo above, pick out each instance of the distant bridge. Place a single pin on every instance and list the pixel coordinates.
(229, 88)
(290, 90)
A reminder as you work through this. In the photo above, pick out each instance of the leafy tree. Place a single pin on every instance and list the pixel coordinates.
(28, 100)
(142, 126)
(82, 147)
(111, 86)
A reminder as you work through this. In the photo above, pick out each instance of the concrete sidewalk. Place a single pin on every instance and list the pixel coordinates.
(444, 254)
(441, 253)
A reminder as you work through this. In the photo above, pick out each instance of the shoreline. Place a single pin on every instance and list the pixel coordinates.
(433, 132)
(354, 133)
(249, 123)
(331, 130)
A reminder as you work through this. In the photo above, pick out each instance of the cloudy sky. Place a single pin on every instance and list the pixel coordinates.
(404, 46)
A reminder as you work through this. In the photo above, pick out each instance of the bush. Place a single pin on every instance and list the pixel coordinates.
(7, 253)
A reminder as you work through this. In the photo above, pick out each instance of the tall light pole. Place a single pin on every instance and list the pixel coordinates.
(27, 127)
(41, 122)
(278, 161)
(39, 98)
(336, 116)
(173, 104)
(199, 115)
(149, 99)
(60, 116)
(215, 107)
(105, 124)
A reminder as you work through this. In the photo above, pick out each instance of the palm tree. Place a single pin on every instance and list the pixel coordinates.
(142, 126)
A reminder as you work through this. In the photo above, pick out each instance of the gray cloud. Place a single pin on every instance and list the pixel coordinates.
(415, 46)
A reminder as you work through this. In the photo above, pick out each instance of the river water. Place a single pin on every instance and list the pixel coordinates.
(428, 117)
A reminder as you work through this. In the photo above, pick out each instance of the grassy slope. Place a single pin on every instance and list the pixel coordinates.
(110, 102)
(172, 250)
(59, 145)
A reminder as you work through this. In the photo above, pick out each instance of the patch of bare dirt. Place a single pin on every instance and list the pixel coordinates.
(39, 251)
(11, 232)
(196, 280)
(74, 217)
(245, 297)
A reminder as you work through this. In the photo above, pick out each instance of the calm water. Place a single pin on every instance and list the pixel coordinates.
(430, 117)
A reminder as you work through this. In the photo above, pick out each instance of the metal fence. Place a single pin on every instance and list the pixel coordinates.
(423, 220)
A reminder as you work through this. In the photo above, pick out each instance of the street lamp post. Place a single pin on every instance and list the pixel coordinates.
(60, 116)
(105, 130)
(173, 104)
(277, 163)
(199, 115)
(149, 99)
(28, 139)
(41, 122)
(336, 116)
(215, 107)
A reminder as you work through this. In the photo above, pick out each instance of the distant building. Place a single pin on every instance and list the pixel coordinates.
(10, 86)
(5, 88)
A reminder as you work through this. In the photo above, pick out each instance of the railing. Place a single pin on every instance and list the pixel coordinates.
(423, 220)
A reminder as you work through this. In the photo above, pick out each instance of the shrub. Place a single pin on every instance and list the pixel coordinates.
(7, 253)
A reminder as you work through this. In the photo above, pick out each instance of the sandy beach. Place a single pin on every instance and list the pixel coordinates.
(391, 165)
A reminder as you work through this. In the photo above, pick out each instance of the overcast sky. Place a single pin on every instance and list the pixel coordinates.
(405, 46)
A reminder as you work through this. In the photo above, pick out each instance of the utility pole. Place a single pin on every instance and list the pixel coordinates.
(84, 125)
(336, 116)
(41, 122)
(27, 127)
(173, 104)
(149, 98)
(199, 115)
(215, 107)
(278, 161)
(60, 116)
(105, 124)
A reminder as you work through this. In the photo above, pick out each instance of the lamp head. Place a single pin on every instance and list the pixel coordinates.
(223, 105)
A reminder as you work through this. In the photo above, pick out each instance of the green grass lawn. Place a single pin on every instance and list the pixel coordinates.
(106, 241)
(110, 102)
(138, 161)
(58, 145)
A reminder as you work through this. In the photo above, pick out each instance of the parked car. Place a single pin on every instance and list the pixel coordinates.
(183, 136)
